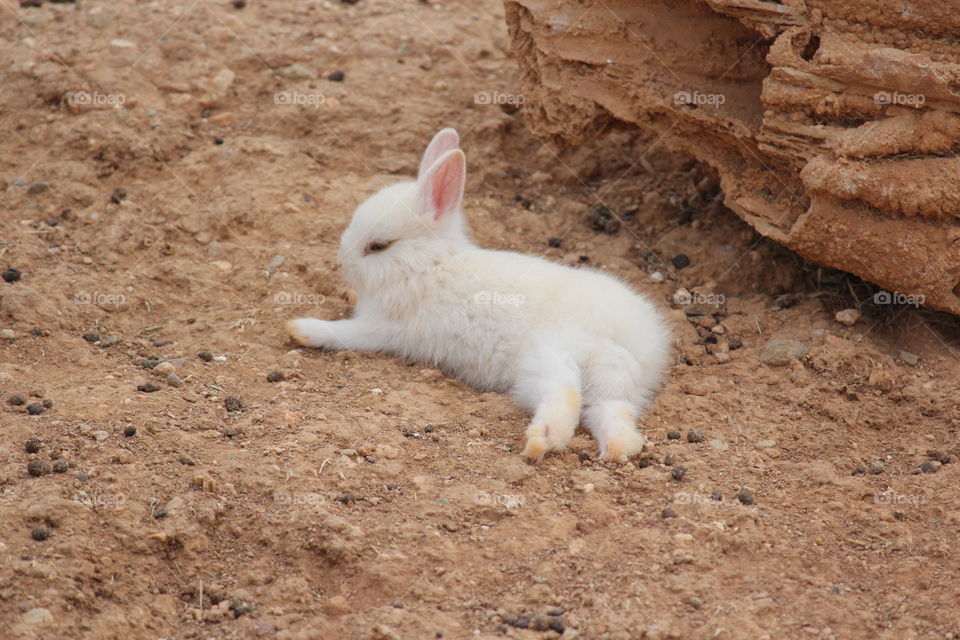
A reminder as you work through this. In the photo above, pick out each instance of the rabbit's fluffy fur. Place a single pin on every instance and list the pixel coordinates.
(565, 342)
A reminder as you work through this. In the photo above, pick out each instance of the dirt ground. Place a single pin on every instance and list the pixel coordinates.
(364, 497)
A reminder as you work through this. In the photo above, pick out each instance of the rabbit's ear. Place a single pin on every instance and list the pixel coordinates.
(444, 141)
(441, 188)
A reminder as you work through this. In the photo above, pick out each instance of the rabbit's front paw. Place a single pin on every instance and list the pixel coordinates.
(309, 332)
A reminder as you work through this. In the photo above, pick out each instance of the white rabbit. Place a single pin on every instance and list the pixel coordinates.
(561, 340)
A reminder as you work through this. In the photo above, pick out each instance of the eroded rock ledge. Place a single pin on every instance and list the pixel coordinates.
(834, 124)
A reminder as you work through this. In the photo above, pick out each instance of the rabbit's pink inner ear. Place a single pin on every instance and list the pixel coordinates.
(443, 187)
(445, 140)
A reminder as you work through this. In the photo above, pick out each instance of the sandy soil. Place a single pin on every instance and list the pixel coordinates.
(364, 497)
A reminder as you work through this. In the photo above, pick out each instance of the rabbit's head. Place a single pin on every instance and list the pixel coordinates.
(400, 229)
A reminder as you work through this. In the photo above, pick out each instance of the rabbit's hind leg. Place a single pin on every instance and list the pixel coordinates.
(613, 399)
(549, 384)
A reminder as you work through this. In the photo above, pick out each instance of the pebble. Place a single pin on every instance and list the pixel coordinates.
(38, 615)
(38, 468)
(37, 188)
(119, 195)
(206, 356)
(100, 435)
(719, 445)
(60, 465)
(669, 459)
(275, 376)
(91, 336)
(164, 368)
(35, 408)
(600, 218)
(347, 498)
(716, 496)
(32, 445)
(680, 261)
(233, 403)
(847, 317)
(11, 275)
(337, 76)
(230, 432)
(678, 472)
(174, 380)
(296, 72)
(148, 387)
(745, 497)
(909, 358)
(694, 435)
(7, 334)
(876, 467)
(18, 400)
(778, 352)
(239, 4)
(858, 471)
(47, 403)
(766, 444)
(656, 277)
(668, 513)
(735, 342)
(130, 431)
(554, 242)
(673, 435)
(40, 533)
(930, 466)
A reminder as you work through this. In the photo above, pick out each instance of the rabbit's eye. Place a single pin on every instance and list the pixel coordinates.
(376, 247)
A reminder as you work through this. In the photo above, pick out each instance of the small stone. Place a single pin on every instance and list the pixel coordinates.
(174, 380)
(275, 376)
(876, 467)
(119, 195)
(40, 533)
(909, 358)
(668, 513)
(129, 431)
(779, 352)
(600, 218)
(233, 403)
(786, 301)
(91, 337)
(148, 387)
(673, 435)
(716, 496)
(336, 76)
(678, 472)
(656, 277)
(680, 261)
(554, 242)
(38, 615)
(696, 602)
(848, 317)
(206, 356)
(858, 471)
(60, 465)
(18, 400)
(670, 459)
(766, 444)
(930, 466)
(719, 445)
(584, 456)
(347, 498)
(694, 435)
(239, 4)
(735, 342)
(37, 188)
(100, 435)
(35, 408)
(164, 368)
(745, 497)
(160, 515)
(32, 445)
(230, 432)
(38, 468)
(11, 275)
(47, 403)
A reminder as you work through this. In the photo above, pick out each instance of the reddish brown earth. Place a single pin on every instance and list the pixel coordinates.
(275, 523)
